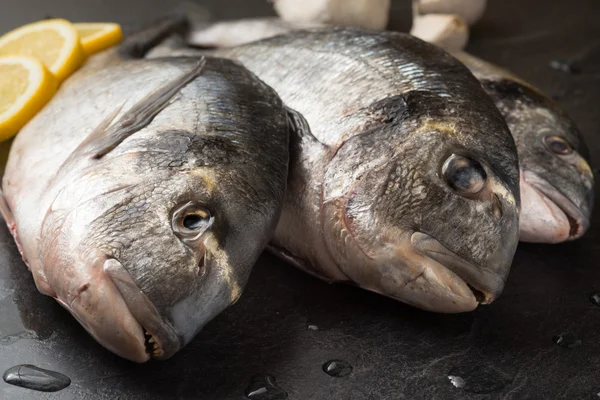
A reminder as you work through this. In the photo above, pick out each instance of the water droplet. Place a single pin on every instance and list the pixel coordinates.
(595, 299)
(567, 340)
(457, 381)
(264, 387)
(478, 379)
(337, 368)
(313, 328)
(35, 378)
(565, 66)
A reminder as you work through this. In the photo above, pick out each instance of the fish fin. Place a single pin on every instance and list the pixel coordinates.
(297, 262)
(177, 23)
(138, 43)
(106, 136)
(300, 128)
(6, 211)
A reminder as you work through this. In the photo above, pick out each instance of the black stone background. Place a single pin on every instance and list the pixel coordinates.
(501, 351)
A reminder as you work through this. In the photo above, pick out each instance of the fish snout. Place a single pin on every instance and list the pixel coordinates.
(548, 215)
(485, 282)
(118, 315)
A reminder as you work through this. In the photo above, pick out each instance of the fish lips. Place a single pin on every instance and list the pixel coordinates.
(485, 284)
(579, 220)
(161, 340)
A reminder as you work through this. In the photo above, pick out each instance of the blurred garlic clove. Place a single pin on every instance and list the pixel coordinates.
(445, 30)
(370, 14)
(470, 11)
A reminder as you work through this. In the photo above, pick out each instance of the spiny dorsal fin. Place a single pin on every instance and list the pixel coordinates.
(106, 136)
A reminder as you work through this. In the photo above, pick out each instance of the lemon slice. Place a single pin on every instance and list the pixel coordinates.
(26, 86)
(99, 36)
(55, 42)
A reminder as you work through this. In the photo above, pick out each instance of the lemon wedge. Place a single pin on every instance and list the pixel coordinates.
(98, 36)
(26, 85)
(55, 42)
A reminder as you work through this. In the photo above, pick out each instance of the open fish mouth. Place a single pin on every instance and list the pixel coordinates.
(484, 284)
(561, 208)
(159, 338)
(112, 308)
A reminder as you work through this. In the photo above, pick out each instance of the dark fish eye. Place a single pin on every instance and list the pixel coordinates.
(463, 174)
(558, 145)
(191, 220)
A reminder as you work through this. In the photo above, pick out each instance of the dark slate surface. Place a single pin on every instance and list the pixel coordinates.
(288, 325)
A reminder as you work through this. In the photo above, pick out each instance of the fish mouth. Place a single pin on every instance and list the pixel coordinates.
(159, 341)
(484, 285)
(113, 310)
(558, 218)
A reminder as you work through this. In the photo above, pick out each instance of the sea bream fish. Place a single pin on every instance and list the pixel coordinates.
(141, 196)
(557, 183)
(392, 182)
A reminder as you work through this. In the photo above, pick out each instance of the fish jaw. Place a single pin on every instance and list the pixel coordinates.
(418, 270)
(118, 315)
(422, 272)
(485, 285)
(547, 215)
(412, 277)
(99, 307)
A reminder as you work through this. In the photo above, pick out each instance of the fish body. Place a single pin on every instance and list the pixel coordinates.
(557, 183)
(143, 193)
(392, 185)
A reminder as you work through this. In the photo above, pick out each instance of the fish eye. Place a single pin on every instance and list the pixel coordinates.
(558, 145)
(463, 174)
(191, 220)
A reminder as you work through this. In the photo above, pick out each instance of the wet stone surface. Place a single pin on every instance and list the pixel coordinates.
(35, 378)
(402, 352)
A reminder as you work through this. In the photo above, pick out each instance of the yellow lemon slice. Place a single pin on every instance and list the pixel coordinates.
(55, 42)
(99, 36)
(26, 86)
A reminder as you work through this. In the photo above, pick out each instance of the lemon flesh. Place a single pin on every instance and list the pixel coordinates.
(26, 86)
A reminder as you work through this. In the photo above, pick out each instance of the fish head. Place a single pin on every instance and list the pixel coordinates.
(420, 209)
(153, 240)
(557, 183)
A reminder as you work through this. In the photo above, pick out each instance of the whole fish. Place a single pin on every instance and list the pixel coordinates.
(143, 193)
(557, 183)
(392, 182)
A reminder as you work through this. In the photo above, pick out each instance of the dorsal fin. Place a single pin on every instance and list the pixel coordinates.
(106, 136)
